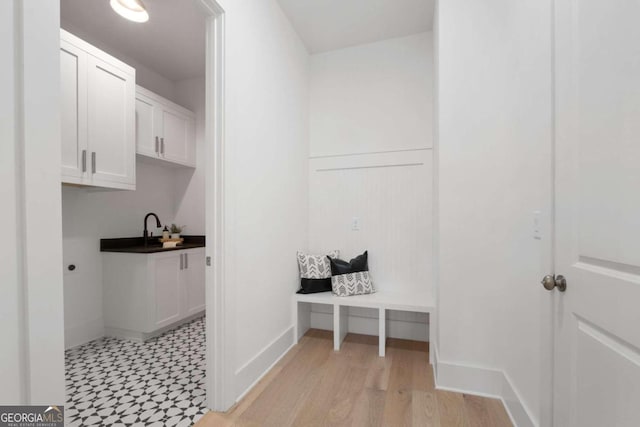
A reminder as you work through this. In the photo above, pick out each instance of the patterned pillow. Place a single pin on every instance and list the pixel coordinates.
(349, 284)
(315, 273)
(351, 278)
(315, 266)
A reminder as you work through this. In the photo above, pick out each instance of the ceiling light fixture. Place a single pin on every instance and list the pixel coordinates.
(133, 10)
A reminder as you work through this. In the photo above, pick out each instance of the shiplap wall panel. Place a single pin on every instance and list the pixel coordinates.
(391, 195)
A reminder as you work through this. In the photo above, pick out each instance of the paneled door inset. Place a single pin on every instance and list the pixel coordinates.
(176, 136)
(597, 319)
(111, 123)
(73, 122)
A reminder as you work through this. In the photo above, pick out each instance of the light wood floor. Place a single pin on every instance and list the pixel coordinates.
(314, 386)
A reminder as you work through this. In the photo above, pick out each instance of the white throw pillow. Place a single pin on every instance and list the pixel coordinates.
(348, 284)
(315, 266)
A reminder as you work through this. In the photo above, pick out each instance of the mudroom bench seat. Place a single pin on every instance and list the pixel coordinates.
(383, 301)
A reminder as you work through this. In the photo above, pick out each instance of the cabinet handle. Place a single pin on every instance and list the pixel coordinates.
(84, 160)
(186, 261)
(162, 146)
(181, 263)
(157, 145)
(93, 162)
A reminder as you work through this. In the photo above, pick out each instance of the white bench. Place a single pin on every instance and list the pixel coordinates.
(421, 303)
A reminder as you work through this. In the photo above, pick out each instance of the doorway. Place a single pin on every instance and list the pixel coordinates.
(210, 177)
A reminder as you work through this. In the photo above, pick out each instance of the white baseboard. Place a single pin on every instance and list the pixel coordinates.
(518, 412)
(75, 336)
(144, 336)
(253, 371)
(481, 382)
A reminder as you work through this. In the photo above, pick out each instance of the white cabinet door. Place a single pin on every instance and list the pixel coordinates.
(167, 282)
(111, 129)
(97, 116)
(147, 117)
(194, 280)
(164, 130)
(73, 109)
(177, 136)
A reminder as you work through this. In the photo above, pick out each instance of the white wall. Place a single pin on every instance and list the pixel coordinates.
(189, 184)
(374, 97)
(31, 326)
(375, 100)
(266, 137)
(11, 313)
(494, 96)
(89, 216)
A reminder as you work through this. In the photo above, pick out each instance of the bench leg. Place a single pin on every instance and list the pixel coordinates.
(296, 321)
(302, 319)
(432, 337)
(339, 325)
(382, 332)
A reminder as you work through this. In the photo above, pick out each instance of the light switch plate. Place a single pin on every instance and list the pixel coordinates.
(355, 224)
(537, 225)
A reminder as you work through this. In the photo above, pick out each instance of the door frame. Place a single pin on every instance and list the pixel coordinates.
(219, 351)
(37, 268)
(548, 248)
(31, 185)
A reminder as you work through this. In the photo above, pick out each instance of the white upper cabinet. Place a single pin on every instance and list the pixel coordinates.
(73, 87)
(147, 141)
(98, 117)
(164, 130)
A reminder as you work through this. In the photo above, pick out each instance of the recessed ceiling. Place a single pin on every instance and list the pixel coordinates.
(172, 43)
(327, 25)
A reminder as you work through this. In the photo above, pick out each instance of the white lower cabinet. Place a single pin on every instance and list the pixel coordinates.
(167, 285)
(144, 294)
(195, 290)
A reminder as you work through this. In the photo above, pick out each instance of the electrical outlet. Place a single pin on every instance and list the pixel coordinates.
(355, 224)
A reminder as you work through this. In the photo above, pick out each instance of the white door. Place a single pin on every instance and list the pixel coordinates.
(176, 136)
(73, 119)
(147, 139)
(167, 286)
(111, 123)
(597, 319)
(195, 281)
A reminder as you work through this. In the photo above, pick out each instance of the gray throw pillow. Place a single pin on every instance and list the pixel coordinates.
(349, 284)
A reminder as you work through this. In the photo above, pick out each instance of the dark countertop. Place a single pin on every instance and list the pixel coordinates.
(135, 245)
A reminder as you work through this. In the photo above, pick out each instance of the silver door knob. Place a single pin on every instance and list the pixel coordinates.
(550, 281)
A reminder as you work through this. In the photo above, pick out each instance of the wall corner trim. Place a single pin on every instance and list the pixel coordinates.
(485, 382)
(255, 369)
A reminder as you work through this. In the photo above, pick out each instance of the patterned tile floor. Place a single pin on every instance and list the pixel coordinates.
(114, 382)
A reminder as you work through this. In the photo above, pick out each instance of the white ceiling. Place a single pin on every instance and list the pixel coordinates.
(327, 25)
(172, 43)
